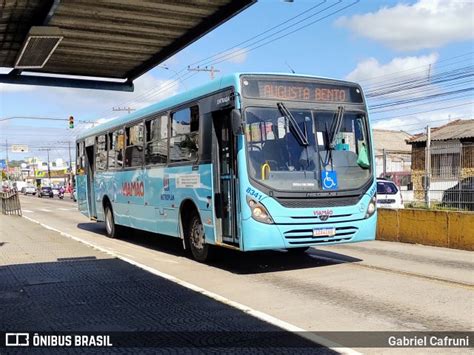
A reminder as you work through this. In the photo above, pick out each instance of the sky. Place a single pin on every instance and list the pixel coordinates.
(383, 45)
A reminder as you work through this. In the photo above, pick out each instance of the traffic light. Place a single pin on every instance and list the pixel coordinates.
(71, 122)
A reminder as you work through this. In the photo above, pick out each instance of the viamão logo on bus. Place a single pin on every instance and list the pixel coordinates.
(134, 188)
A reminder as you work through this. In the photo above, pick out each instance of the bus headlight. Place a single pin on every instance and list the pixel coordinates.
(259, 212)
(371, 207)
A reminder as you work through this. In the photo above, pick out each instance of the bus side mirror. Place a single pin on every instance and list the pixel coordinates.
(236, 122)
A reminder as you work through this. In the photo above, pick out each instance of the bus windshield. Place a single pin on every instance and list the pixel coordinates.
(334, 156)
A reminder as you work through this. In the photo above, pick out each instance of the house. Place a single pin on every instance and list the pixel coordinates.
(452, 157)
(393, 145)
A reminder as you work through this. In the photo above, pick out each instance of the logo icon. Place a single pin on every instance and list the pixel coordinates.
(17, 339)
(329, 180)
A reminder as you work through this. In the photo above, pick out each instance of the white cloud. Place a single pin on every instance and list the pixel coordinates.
(417, 122)
(370, 70)
(424, 24)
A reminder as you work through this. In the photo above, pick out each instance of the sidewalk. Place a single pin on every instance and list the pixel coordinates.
(51, 283)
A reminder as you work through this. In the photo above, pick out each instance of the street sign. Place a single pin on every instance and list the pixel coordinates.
(19, 148)
(3, 164)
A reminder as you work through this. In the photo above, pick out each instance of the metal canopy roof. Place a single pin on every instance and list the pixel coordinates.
(115, 39)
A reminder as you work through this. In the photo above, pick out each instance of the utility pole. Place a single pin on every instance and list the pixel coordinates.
(384, 163)
(6, 147)
(70, 160)
(428, 167)
(128, 109)
(211, 70)
(49, 170)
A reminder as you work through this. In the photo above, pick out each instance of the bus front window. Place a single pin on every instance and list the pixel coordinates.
(280, 159)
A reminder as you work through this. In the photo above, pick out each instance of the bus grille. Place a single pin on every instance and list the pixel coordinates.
(305, 236)
(318, 202)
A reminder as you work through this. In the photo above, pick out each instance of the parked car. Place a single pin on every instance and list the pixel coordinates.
(29, 190)
(46, 191)
(388, 194)
(460, 195)
(400, 178)
(55, 190)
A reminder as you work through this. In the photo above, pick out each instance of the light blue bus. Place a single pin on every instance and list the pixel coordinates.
(249, 162)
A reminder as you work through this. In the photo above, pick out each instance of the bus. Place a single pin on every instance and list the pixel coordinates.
(250, 161)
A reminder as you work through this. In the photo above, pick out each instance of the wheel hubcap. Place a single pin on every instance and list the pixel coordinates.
(108, 221)
(197, 235)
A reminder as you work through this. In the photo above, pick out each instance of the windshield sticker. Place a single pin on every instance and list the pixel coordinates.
(188, 181)
(329, 180)
(281, 127)
(303, 184)
(255, 132)
(320, 138)
(269, 135)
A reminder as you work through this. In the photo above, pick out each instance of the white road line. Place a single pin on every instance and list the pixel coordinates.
(27, 211)
(45, 210)
(246, 309)
(67, 209)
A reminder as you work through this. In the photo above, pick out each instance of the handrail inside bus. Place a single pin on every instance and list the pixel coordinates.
(265, 166)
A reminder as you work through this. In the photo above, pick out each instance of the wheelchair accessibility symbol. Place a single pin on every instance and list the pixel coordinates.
(329, 180)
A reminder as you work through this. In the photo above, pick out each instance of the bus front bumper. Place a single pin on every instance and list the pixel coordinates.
(260, 236)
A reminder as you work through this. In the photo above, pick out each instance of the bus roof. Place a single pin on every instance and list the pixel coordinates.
(188, 95)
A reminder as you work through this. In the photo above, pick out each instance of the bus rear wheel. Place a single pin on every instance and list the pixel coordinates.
(110, 227)
(197, 240)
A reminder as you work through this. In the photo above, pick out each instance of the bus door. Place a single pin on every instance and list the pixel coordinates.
(90, 168)
(223, 159)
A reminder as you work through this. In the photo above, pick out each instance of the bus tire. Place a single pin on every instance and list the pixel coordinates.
(297, 251)
(196, 239)
(110, 227)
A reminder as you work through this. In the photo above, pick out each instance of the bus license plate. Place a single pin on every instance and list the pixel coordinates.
(324, 232)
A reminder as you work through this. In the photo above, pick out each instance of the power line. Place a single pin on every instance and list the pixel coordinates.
(415, 113)
(155, 92)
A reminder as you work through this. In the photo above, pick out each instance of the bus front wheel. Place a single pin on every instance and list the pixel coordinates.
(110, 227)
(196, 237)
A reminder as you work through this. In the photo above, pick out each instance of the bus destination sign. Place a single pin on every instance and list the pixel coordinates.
(300, 91)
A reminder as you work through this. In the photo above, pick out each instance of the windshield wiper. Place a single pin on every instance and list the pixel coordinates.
(331, 134)
(300, 136)
(336, 127)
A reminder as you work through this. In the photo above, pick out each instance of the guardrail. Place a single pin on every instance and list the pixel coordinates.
(448, 229)
(10, 203)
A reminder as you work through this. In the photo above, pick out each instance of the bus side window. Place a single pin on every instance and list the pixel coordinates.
(134, 147)
(115, 153)
(157, 140)
(184, 135)
(101, 152)
(80, 158)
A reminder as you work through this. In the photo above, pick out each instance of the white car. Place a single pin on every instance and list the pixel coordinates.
(388, 194)
(30, 190)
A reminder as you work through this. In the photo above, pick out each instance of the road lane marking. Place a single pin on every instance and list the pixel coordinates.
(246, 309)
(67, 209)
(399, 272)
(44, 210)
(27, 211)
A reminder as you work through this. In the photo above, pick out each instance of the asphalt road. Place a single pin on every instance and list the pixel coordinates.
(374, 286)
